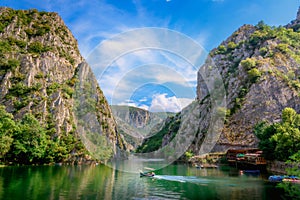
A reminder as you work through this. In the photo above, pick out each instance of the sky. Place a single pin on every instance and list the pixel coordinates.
(142, 51)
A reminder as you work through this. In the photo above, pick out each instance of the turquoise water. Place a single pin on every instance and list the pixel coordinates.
(102, 182)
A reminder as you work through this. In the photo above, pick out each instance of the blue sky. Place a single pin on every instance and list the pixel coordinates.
(128, 79)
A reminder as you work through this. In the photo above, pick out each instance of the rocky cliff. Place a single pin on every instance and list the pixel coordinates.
(41, 73)
(259, 66)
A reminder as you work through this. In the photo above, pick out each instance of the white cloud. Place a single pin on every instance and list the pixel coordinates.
(145, 107)
(143, 99)
(162, 103)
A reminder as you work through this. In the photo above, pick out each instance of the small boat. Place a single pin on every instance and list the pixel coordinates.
(250, 171)
(275, 178)
(148, 174)
(291, 179)
(280, 178)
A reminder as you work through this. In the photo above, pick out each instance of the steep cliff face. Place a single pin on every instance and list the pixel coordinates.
(40, 69)
(259, 66)
(135, 123)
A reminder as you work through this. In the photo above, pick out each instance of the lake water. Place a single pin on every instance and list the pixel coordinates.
(101, 182)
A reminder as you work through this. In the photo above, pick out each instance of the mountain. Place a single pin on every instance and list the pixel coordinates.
(43, 75)
(249, 78)
(136, 123)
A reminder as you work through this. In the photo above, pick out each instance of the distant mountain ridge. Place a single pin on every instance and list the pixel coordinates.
(136, 123)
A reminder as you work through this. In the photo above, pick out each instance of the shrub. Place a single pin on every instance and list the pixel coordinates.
(52, 88)
(231, 45)
(36, 47)
(5, 46)
(284, 48)
(10, 64)
(248, 63)
(254, 74)
(221, 49)
(263, 51)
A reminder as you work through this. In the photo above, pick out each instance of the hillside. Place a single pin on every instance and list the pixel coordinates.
(43, 76)
(136, 123)
(259, 71)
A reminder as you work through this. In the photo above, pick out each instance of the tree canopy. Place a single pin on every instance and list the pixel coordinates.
(281, 141)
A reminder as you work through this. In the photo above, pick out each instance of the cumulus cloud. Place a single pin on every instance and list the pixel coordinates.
(163, 103)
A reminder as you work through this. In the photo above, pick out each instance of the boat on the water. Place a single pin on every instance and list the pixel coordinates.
(253, 172)
(291, 179)
(284, 178)
(148, 174)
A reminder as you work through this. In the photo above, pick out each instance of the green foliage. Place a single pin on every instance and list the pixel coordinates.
(280, 140)
(263, 51)
(284, 48)
(99, 146)
(9, 64)
(4, 46)
(6, 18)
(19, 89)
(155, 142)
(262, 33)
(248, 63)
(221, 49)
(254, 74)
(52, 88)
(68, 91)
(41, 29)
(39, 75)
(13, 41)
(292, 190)
(188, 155)
(231, 45)
(18, 104)
(7, 128)
(30, 142)
(37, 47)
(289, 115)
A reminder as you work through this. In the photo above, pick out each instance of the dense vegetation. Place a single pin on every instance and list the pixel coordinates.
(25, 141)
(281, 141)
(168, 132)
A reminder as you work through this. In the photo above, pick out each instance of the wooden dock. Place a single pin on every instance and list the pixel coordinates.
(246, 158)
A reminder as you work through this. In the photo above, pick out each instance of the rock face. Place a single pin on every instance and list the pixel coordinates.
(41, 67)
(259, 66)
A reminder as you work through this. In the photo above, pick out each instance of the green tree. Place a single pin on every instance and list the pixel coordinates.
(280, 140)
(289, 116)
(7, 128)
(30, 142)
(264, 132)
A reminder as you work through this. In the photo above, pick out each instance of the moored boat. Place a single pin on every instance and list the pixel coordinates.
(291, 179)
(283, 178)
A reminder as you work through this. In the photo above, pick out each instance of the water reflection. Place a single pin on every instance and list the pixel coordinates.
(102, 182)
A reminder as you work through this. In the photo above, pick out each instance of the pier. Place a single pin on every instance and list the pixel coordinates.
(246, 158)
